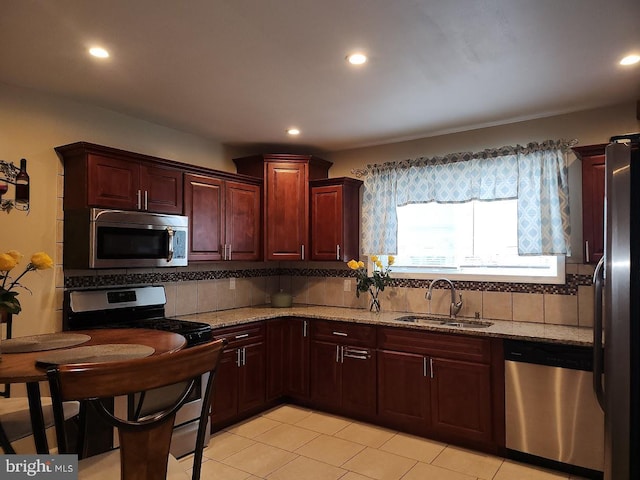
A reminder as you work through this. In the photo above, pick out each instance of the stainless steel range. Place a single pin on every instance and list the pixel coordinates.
(141, 307)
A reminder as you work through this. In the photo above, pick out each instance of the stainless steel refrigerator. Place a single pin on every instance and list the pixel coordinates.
(617, 311)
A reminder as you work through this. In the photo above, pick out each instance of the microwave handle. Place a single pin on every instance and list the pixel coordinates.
(170, 232)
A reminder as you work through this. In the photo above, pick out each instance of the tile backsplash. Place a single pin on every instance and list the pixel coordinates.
(221, 286)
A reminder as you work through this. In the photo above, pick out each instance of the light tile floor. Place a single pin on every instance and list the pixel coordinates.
(292, 443)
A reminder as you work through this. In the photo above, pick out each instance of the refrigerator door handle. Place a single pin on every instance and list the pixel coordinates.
(598, 351)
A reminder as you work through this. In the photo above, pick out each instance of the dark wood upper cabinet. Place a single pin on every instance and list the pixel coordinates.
(97, 176)
(285, 200)
(593, 180)
(204, 205)
(224, 218)
(335, 219)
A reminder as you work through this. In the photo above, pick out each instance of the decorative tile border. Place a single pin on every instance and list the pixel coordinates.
(573, 281)
(122, 279)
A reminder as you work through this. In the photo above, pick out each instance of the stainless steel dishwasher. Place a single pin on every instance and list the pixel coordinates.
(552, 415)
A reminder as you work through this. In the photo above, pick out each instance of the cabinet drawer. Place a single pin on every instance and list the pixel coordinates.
(241, 335)
(344, 333)
(458, 347)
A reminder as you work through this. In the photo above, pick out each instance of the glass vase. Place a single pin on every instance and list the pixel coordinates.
(374, 305)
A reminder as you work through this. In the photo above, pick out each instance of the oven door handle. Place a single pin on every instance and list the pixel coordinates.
(170, 233)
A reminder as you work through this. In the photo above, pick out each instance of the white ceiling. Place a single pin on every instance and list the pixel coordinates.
(242, 71)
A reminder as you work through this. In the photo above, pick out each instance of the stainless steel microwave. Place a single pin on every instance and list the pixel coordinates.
(100, 238)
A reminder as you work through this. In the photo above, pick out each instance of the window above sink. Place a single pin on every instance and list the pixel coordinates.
(475, 241)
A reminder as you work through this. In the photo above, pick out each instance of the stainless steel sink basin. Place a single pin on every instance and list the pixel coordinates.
(449, 322)
(421, 319)
(467, 323)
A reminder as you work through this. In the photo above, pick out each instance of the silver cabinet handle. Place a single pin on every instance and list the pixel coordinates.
(238, 357)
(170, 235)
(424, 366)
(302, 250)
(229, 257)
(243, 335)
(431, 367)
(139, 199)
(355, 353)
(337, 252)
(357, 357)
(586, 251)
(304, 328)
(146, 200)
(337, 353)
(340, 334)
(224, 252)
(341, 354)
(244, 355)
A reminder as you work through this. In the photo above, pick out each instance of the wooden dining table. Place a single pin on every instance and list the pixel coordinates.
(22, 367)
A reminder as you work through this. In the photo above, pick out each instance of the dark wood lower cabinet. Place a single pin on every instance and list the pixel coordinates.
(461, 400)
(240, 385)
(288, 359)
(404, 391)
(325, 379)
(441, 386)
(343, 368)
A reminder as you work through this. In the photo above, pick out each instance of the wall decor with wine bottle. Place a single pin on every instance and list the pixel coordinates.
(10, 174)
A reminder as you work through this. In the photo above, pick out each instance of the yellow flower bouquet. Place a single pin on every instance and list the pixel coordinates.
(8, 294)
(374, 284)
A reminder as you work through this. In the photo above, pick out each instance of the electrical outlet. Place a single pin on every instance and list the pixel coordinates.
(347, 285)
(232, 283)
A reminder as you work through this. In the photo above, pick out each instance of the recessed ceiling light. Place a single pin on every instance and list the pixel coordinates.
(293, 131)
(356, 58)
(99, 52)
(630, 60)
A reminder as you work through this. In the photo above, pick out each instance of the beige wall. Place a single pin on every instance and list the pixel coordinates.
(31, 125)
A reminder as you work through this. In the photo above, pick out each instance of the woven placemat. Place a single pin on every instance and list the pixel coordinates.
(111, 352)
(39, 343)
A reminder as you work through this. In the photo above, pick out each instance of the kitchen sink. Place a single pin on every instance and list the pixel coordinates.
(448, 322)
(421, 319)
(467, 323)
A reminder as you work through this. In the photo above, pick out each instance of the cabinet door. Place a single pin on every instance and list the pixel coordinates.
(251, 377)
(225, 394)
(325, 380)
(161, 189)
(112, 183)
(403, 390)
(359, 381)
(461, 400)
(204, 205)
(326, 222)
(593, 180)
(297, 358)
(242, 224)
(277, 350)
(287, 211)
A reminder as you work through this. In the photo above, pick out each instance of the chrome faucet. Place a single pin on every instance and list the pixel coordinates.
(455, 307)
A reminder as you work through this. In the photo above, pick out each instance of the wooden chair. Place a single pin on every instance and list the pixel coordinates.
(144, 440)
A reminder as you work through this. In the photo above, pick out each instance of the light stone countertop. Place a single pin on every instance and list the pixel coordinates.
(503, 329)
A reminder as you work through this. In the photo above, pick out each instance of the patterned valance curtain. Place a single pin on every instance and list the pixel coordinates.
(535, 175)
